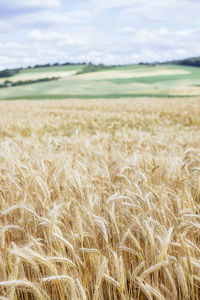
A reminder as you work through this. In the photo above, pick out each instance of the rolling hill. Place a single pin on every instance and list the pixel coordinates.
(87, 81)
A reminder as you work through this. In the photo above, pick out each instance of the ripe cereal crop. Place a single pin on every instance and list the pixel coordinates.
(100, 199)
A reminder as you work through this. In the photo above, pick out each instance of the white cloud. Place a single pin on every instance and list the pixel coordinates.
(164, 41)
(109, 31)
(164, 11)
(43, 19)
(60, 38)
(126, 30)
(101, 5)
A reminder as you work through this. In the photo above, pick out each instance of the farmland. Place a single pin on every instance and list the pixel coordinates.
(101, 199)
(115, 82)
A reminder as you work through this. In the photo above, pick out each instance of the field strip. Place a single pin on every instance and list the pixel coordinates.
(39, 75)
(127, 74)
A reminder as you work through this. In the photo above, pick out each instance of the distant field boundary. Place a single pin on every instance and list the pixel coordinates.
(111, 96)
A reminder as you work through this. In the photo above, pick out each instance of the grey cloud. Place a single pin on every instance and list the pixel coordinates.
(21, 7)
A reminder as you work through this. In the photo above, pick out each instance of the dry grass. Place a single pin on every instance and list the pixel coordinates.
(109, 74)
(100, 200)
(39, 75)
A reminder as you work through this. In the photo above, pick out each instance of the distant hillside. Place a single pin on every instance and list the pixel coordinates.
(193, 61)
(8, 73)
(94, 68)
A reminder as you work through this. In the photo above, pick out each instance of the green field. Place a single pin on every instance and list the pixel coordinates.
(122, 81)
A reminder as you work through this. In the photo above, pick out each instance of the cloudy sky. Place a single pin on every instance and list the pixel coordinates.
(108, 31)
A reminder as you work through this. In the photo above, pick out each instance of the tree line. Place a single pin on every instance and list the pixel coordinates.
(8, 83)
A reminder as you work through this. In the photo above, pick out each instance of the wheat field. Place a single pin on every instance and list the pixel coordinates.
(100, 199)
